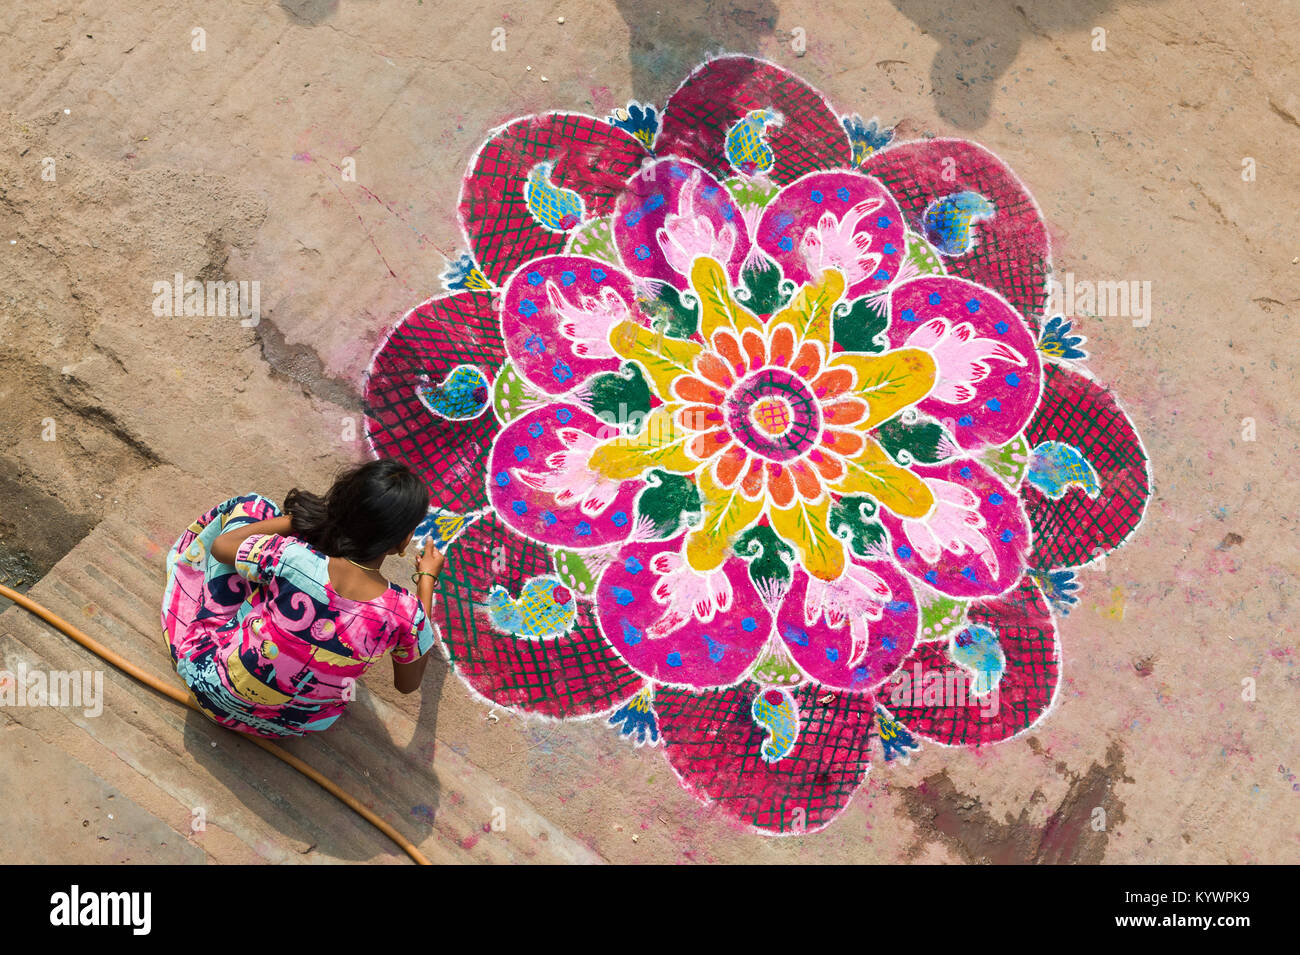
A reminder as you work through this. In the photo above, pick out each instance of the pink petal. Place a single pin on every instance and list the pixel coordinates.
(827, 653)
(999, 396)
(693, 653)
(831, 196)
(651, 196)
(541, 350)
(1004, 537)
(539, 514)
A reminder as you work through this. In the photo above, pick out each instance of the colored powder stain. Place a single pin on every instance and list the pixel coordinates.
(1116, 609)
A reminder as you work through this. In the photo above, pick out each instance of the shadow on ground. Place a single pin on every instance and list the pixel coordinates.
(979, 42)
(667, 41)
(402, 779)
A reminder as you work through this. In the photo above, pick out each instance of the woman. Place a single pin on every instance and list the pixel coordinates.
(272, 618)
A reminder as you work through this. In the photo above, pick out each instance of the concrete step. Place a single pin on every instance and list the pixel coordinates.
(172, 763)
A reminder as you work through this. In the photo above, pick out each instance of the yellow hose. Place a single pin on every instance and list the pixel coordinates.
(187, 699)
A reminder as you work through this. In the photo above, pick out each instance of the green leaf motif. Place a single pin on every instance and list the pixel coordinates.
(668, 501)
(596, 239)
(620, 397)
(572, 568)
(1010, 461)
(853, 520)
(512, 395)
(922, 256)
(921, 441)
(770, 559)
(941, 615)
(775, 665)
(755, 193)
(857, 325)
(762, 291)
(671, 313)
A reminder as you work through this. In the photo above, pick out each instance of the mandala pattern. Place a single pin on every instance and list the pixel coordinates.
(769, 447)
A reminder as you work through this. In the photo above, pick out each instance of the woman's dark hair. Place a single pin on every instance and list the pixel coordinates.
(367, 512)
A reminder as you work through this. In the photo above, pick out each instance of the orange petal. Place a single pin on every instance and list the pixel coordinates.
(691, 388)
(727, 468)
(832, 383)
(844, 443)
(699, 417)
(780, 486)
(830, 467)
(728, 348)
(752, 486)
(844, 411)
(754, 348)
(705, 446)
(781, 345)
(714, 369)
(807, 362)
(805, 481)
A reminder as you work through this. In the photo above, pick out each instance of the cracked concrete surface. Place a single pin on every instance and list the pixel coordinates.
(226, 164)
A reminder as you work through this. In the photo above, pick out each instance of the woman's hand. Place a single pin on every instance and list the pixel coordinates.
(429, 561)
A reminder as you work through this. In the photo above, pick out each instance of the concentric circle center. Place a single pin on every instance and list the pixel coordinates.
(773, 414)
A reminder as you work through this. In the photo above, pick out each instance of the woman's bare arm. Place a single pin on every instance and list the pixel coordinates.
(226, 547)
(408, 676)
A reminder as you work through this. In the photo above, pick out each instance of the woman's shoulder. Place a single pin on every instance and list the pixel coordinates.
(402, 603)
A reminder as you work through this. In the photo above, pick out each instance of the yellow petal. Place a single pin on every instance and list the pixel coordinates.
(872, 472)
(726, 514)
(717, 308)
(804, 526)
(659, 444)
(663, 358)
(810, 311)
(889, 382)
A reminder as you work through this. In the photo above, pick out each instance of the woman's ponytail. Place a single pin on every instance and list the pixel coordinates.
(310, 518)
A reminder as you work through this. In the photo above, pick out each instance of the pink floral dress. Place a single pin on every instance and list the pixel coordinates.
(267, 646)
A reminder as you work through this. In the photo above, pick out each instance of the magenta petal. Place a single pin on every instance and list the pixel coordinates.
(698, 117)
(1023, 624)
(538, 483)
(659, 190)
(555, 318)
(826, 653)
(429, 341)
(1011, 253)
(573, 675)
(715, 748)
(800, 206)
(1004, 540)
(987, 385)
(590, 158)
(694, 652)
(1077, 529)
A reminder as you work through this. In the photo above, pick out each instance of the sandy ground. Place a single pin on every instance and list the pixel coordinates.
(225, 163)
